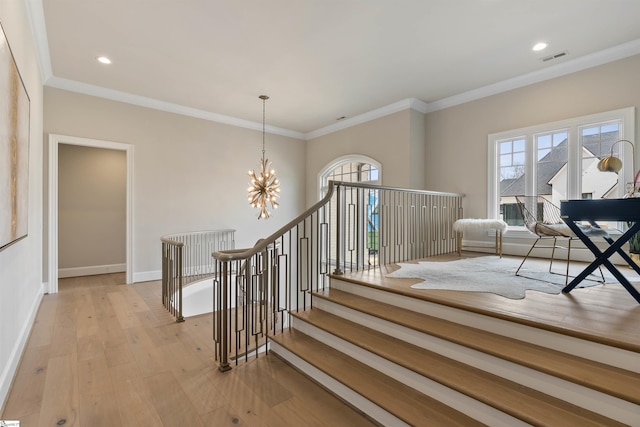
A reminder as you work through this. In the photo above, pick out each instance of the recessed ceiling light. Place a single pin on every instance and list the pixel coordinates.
(539, 46)
(103, 60)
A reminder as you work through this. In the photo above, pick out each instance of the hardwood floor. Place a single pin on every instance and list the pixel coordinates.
(604, 313)
(106, 354)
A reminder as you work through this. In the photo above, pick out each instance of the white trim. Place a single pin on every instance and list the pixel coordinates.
(9, 370)
(91, 270)
(612, 54)
(409, 103)
(54, 141)
(35, 12)
(115, 95)
(147, 276)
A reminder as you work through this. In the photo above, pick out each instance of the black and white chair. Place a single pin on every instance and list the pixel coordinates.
(542, 218)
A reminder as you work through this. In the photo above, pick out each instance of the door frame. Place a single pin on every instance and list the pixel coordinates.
(54, 141)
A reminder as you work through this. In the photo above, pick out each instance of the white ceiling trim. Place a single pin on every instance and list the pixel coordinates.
(615, 53)
(35, 12)
(114, 95)
(414, 103)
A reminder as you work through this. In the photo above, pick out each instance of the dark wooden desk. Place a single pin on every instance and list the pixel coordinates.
(603, 210)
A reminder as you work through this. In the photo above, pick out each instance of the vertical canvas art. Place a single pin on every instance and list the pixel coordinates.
(14, 149)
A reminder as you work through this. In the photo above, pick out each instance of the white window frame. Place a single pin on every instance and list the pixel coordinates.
(626, 116)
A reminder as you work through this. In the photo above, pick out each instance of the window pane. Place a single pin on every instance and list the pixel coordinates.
(512, 179)
(551, 170)
(596, 142)
(518, 159)
(506, 147)
(519, 145)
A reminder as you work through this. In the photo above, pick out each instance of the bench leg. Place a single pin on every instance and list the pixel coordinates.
(459, 242)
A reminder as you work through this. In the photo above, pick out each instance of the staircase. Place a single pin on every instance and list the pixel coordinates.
(405, 361)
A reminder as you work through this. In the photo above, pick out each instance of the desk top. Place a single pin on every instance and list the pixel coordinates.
(601, 209)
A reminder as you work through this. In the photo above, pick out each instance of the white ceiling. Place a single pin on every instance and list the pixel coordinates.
(320, 59)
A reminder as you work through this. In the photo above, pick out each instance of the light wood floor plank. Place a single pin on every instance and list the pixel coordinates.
(42, 331)
(109, 354)
(135, 403)
(28, 387)
(171, 402)
(60, 404)
(98, 404)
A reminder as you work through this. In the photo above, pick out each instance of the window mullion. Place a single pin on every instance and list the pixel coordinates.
(530, 177)
(574, 165)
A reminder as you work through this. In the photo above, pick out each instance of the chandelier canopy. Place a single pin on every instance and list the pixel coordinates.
(264, 188)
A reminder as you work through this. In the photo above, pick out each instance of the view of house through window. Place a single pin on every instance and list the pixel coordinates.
(557, 161)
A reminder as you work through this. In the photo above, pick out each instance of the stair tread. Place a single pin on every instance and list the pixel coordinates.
(399, 399)
(521, 402)
(598, 376)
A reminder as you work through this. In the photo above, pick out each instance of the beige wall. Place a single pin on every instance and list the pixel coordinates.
(20, 263)
(189, 174)
(387, 140)
(456, 138)
(92, 187)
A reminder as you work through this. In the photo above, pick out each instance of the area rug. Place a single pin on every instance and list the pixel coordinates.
(491, 274)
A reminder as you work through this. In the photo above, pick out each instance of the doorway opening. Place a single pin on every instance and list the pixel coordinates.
(54, 143)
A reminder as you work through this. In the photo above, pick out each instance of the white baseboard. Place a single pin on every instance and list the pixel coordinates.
(91, 270)
(9, 371)
(147, 276)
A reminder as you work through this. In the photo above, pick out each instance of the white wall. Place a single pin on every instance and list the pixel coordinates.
(92, 189)
(189, 174)
(21, 263)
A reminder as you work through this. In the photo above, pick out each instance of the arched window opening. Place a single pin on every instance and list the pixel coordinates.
(356, 169)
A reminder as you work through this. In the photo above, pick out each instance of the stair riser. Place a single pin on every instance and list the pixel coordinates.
(354, 399)
(462, 403)
(589, 399)
(620, 358)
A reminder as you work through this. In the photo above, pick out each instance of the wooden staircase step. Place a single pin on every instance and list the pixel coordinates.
(523, 403)
(607, 379)
(402, 401)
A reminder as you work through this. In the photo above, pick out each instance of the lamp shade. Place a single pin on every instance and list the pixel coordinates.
(610, 164)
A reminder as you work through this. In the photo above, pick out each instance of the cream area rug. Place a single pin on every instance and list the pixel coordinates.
(493, 274)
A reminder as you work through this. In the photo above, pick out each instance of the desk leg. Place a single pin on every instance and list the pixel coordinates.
(603, 258)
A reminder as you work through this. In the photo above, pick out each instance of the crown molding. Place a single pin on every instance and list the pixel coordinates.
(602, 57)
(128, 98)
(405, 104)
(35, 13)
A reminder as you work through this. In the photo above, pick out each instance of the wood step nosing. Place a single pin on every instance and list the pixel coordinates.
(596, 352)
(345, 393)
(580, 370)
(576, 394)
(467, 405)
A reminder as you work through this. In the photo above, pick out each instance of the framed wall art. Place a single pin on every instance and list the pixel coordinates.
(14, 149)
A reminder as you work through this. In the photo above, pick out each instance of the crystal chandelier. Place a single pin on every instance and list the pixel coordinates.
(263, 189)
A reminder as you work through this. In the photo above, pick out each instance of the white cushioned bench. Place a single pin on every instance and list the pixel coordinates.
(476, 224)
